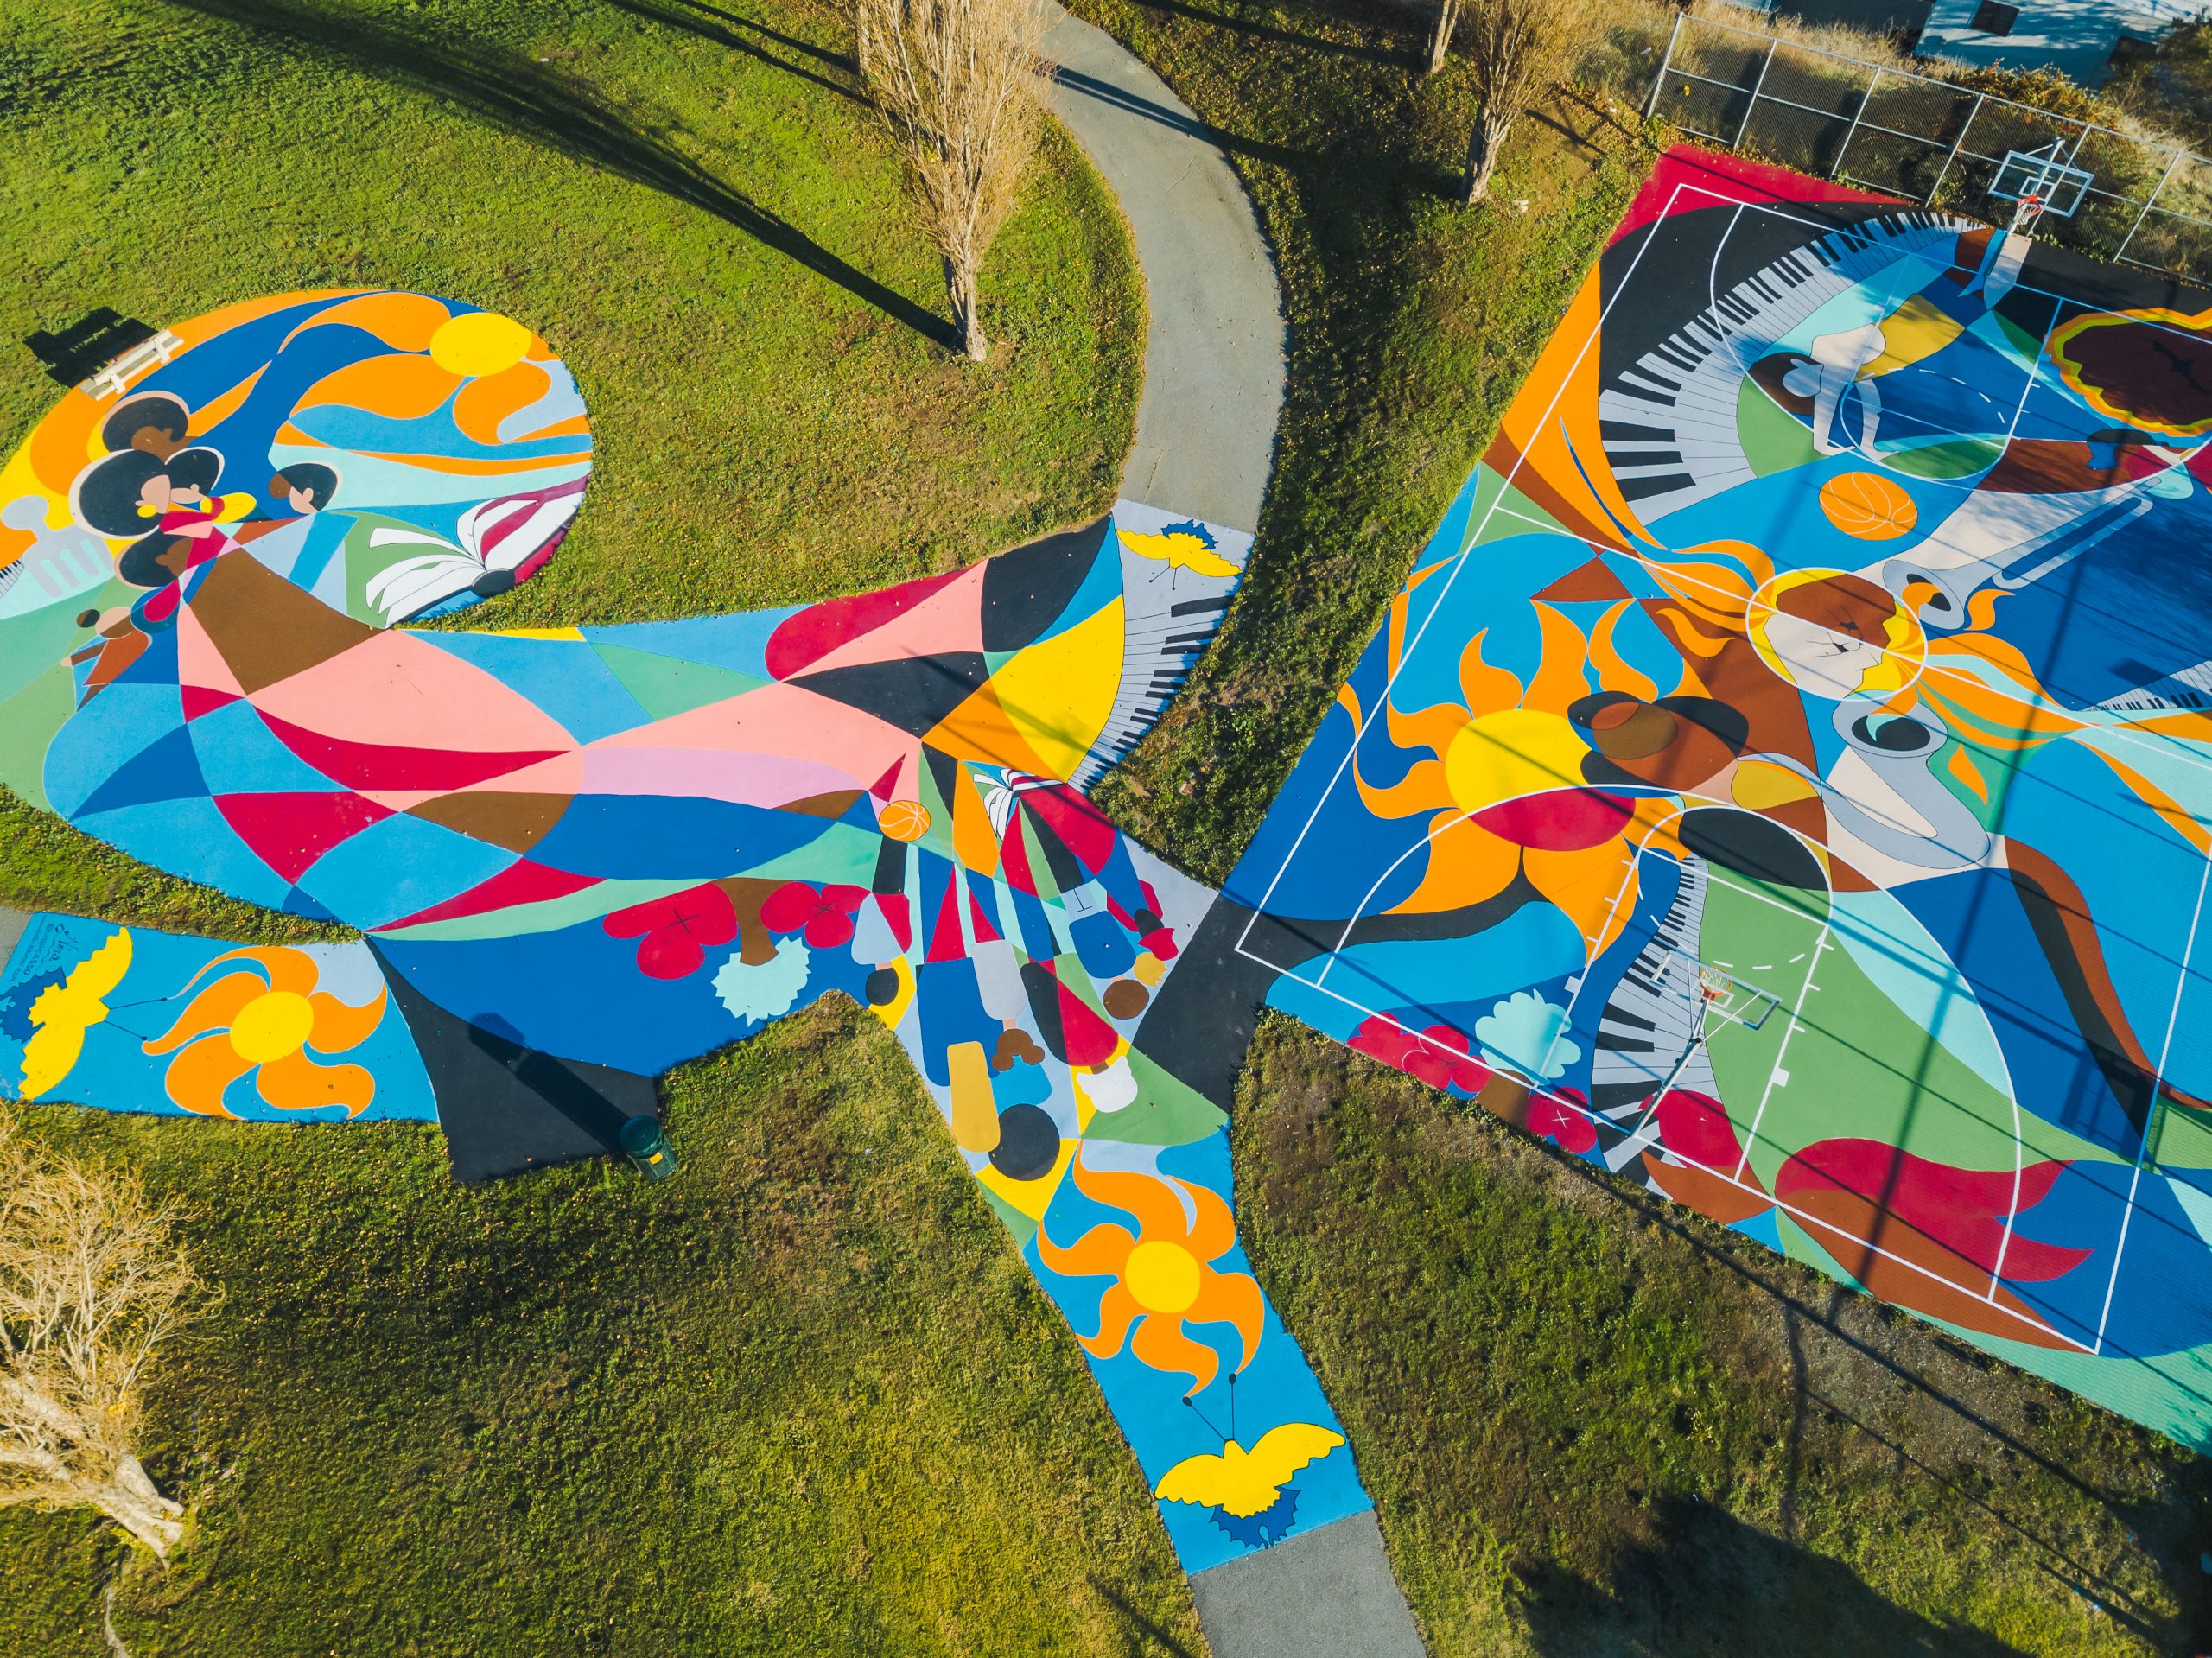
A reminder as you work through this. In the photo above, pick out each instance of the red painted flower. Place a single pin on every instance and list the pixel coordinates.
(822, 914)
(1558, 1118)
(1439, 1056)
(675, 933)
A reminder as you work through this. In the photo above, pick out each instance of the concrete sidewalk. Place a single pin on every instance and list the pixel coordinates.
(1213, 387)
(1213, 362)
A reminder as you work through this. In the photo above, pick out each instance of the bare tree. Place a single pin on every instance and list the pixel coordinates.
(957, 80)
(1515, 48)
(1440, 36)
(92, 1282)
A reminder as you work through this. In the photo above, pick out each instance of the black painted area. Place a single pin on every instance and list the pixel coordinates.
(912, 693)
(1025, 591)
(505, 1106)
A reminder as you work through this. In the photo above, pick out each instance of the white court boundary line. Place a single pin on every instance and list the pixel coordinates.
(1473, 538)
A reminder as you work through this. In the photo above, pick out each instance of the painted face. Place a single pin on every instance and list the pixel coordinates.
(156, 494)
(1834, 635)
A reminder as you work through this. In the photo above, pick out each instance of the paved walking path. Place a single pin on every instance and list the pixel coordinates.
(1213, 387)
(1213, 362)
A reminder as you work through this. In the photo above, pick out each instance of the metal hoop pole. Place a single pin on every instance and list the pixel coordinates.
(1857, 115)
(2149, 202)
(1659, 81)
(1944, 171)
(1752, 108)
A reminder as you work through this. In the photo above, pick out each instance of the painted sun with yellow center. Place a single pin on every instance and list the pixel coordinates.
(1164, 1274)
(269, 1018)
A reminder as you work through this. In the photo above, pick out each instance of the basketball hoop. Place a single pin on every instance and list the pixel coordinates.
(2039, 181)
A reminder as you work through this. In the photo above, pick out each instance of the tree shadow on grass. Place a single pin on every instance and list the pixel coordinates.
(721, 27)
(1145, 1635)
(2167, 1527)
(1701, 1583)
(517, 96)
(1232, 17)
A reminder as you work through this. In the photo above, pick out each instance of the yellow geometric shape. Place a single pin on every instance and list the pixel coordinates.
(479, 342)
(1030, 1198)
(1512, 752)
(894, 1010)
(982, 729)
(1059, 692)
(1757, 785)
(1916, 330)
(974, 1114)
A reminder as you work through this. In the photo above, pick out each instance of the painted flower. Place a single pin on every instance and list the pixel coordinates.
(1527, 1034)
(267, 1017)
(1561, 1119)
(675, 933)
(1438, 1056)
(1164, 1276)
(823, 914)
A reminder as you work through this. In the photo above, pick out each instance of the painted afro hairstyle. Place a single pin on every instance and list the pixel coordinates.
(312, 479)
(105, 495)
(153, 422)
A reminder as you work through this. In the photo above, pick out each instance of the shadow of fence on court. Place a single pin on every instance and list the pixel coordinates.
(515, 95)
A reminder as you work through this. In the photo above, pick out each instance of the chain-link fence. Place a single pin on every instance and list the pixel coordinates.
(1907, 135)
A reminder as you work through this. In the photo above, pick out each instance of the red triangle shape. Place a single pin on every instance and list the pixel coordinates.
(887, 783)
(203, 699)
(520, 882)
(289, 831)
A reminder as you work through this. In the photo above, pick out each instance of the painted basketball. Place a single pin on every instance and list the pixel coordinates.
(1867, 506)
(904, 820)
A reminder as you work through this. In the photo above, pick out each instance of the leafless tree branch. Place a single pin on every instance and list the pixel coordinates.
(957, 80)
(92, 1283)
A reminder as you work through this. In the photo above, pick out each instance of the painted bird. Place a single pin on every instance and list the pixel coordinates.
(64, 1011)
(1242, 1485)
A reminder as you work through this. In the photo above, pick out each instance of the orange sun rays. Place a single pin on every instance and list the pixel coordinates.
(1164, 1276)
(264, 1019)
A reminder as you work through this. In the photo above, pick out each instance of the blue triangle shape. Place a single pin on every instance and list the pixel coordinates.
(165, 769)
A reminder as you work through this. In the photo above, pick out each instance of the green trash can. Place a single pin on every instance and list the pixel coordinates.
(645, 1144)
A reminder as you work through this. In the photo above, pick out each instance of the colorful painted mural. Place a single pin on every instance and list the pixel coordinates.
(1785, 778)
(1780, 780)
(579, 857)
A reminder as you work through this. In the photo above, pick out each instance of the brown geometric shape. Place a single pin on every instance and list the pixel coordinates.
(833, 805)
(517, 822)
(1126, 997)
(756, 944)
(1585, 582)
(265, 628)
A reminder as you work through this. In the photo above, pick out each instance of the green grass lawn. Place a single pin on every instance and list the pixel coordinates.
(801, 1399)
